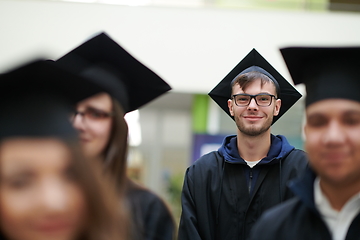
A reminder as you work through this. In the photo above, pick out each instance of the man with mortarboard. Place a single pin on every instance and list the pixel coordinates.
(226, 191)
(327, 202)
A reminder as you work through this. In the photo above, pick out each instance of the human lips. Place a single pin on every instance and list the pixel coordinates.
(253, 117)
(335, 156)
(332, 157)
(54, 227)
(84, 138)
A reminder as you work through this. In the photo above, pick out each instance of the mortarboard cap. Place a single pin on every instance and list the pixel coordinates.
(327, 72)
(105, 62)
(253, 61)
(36, 99)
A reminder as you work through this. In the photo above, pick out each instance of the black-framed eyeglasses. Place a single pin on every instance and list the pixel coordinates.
(262, 99)
(91, 114)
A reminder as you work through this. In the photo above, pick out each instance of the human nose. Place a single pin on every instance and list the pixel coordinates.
(78, 121)
(253, 104)
(54, 197)
(334, 134)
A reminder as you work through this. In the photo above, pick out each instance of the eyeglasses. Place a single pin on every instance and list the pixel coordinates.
(262, 100)
(92, 114)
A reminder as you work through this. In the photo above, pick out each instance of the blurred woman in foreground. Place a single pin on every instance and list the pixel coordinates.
(47, 189)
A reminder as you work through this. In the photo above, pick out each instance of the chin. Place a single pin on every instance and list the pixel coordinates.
(334, 176)
(89, 152)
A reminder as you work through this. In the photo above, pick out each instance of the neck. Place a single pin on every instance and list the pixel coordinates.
(339, 194)
(253, 148)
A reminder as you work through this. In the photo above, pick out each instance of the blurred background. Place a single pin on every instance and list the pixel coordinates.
(192, 44)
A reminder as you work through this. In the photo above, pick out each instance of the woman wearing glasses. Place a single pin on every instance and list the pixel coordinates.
(48, 190)
(129, 85)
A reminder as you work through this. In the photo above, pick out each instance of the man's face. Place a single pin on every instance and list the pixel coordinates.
(253, 120)
(333, 140)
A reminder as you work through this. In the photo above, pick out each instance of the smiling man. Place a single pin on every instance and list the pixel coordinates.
(327, 202)
(226, 191)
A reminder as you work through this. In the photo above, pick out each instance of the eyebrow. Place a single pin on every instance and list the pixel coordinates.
(23, 171)
(352, 112)
(255, 94)
(96, 109)
(324, 114)
(260, 93)
(92, 108)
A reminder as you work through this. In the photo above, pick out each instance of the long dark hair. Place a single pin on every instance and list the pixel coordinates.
(115, 157)
(107, 218)
(116, 151)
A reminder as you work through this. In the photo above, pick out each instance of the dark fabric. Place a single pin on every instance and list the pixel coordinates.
(222, 91)
(327, 72)
(298, 218)
(36, 99)
(104, 62)
(216, 203)
(279, 147)
(151, 218)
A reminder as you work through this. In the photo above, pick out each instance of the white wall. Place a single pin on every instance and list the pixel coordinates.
(191, 48)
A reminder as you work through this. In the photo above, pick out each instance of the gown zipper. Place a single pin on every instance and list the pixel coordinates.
(250, 180)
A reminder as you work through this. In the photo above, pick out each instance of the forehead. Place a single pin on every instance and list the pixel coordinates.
(333, 107)
(18, 153)
(255, 87)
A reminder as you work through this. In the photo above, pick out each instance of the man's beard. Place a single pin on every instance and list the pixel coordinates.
(253, 130)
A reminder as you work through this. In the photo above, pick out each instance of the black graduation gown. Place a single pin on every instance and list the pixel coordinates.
(216, 204)
(151, 218)
(298, 218)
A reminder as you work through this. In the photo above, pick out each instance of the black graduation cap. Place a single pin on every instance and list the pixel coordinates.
(254, 61)
(105, 62)
(327, 72)
(36, 99)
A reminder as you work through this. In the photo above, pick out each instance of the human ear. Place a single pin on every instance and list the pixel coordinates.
(230, 105)
(277, 107)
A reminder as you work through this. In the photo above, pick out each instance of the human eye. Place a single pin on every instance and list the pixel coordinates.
(263, 98)
(19, 182)
(96, 114)
(242, 98)
(316, 121)
(352, 118)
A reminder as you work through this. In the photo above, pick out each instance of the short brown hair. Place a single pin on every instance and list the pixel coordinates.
(244, 80)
